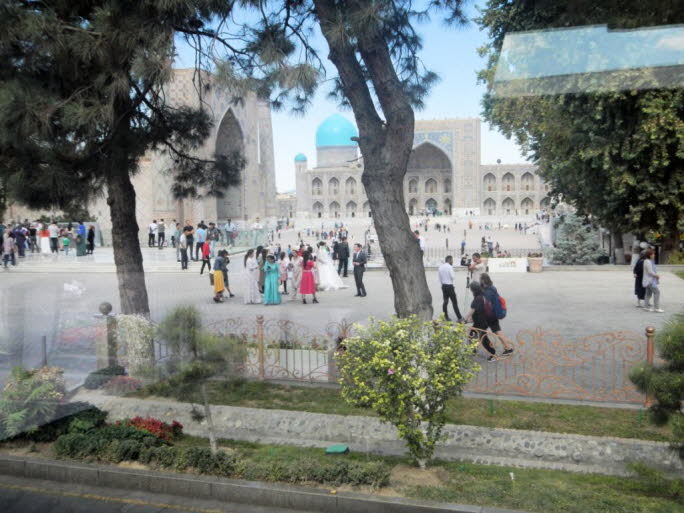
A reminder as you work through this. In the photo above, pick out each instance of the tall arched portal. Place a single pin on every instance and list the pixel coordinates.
(429, 172)
(229, 140)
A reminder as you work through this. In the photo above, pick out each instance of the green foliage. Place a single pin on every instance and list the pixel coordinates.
(76, 417)
(99, 377)
(406, 370)
(30, 399)
(652, 482)
(665, 383)
(303, 470)
(676, 258)
(576, 242)
(614, 155)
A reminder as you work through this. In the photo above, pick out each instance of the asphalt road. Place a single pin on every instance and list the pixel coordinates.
(36, 496)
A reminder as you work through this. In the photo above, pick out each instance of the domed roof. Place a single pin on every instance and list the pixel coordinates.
(336, 130)
(300, 157)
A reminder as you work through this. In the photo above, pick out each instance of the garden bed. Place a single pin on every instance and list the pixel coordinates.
(531, 490)
(535, 416)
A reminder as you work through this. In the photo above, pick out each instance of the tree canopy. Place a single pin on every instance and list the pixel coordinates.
(616, 155)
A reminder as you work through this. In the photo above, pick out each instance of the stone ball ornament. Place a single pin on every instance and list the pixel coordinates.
(105, 308)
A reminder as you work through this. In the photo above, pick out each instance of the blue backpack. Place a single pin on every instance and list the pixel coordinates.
(498, 306)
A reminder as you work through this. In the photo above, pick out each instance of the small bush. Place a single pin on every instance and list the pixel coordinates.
(122, 385)
(98, 378)
(96, 443)
(69, 417)
(156, 427)
(650, 481)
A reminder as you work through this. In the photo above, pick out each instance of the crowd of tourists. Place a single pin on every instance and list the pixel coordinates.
(39, 237)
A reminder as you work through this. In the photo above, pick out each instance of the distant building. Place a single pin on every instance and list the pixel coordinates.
(287, 204)
(444, 174)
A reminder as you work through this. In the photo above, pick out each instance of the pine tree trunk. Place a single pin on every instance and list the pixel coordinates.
(127, 254)
(399, 246)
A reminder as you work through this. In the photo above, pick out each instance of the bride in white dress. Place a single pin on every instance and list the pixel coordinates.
(327, 274)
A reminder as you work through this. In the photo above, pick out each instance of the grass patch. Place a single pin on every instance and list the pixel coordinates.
(546, 491)
(556, 418)
(680, 274)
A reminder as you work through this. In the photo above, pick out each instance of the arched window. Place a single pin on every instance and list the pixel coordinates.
(351, 209)
(431, 186)
(490, 206)
(508, 206)
(413, 206)
(350, 186)
(318, 209)
(316, 187)
(367, 209)
(334, 210)
(447, 185)
(527, 181)
(431, 205)
(333, 187)
(489, 182)
(447, 206)
(413, 185)
(527, 206)
(508, 182)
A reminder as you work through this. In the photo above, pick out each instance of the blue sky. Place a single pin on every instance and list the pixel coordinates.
(450, 52)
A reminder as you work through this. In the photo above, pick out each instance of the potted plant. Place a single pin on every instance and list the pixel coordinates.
(535, 262)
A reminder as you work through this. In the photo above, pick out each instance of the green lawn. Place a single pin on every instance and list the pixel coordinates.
(542, 491)
(680, 274)
(557, 418)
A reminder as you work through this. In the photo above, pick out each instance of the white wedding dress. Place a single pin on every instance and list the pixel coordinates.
(328, 279)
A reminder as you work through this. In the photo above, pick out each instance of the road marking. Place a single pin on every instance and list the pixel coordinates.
(104, 498)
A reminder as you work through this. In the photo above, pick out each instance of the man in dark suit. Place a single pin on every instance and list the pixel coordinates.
(359, 263)
(343, 255)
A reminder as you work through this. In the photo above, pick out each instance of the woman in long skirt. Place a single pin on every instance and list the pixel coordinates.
(219, 286)
(272, 281)
(252, 295)
(308, 285)
(296, 273)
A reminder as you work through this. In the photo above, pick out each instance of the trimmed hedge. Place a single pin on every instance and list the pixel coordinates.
(100, 377)
(121, 442)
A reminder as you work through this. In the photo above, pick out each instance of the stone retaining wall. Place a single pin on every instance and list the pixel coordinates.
(366, 434)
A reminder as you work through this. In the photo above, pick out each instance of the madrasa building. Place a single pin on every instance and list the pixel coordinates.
(444, 175)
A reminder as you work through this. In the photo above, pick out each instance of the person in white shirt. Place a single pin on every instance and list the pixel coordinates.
(421, 242)
(445, 274)
(230, 228)
(152, 233)
(476, 268)
(257, 225)
(53, 230)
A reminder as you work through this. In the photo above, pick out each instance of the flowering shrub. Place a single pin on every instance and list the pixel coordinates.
(406, 370)
(121, 385)
(156, 427)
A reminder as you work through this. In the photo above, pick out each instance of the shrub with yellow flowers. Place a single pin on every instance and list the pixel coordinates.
(406, 370)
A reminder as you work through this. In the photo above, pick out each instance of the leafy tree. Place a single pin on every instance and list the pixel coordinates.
(406, 370)
(199, 356)
(665, 382)
(576, 242)
(81, 99)
(614, 155)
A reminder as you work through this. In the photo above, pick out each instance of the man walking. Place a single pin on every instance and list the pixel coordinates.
(200, 237)
(343, 255)
(189, 232)
(151, 233)
(446, 280)
(230, 229)
(476, 268)
(161, 236)
(359, 263)
(53, 230)
(183, 247)
(212, 238)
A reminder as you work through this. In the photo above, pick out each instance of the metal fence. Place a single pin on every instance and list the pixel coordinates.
(544, 365)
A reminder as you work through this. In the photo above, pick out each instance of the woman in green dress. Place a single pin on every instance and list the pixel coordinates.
(271, 281)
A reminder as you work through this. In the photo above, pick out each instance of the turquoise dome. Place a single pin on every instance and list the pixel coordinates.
(300, 157)
(336, 131)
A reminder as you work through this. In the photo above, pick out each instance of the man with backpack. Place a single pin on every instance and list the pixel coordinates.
(483, 316)
(498, 310)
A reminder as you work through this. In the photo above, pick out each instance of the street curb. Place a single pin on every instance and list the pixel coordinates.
(229, 490)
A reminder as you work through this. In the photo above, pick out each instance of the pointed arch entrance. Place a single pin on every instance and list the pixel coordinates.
(229, 143)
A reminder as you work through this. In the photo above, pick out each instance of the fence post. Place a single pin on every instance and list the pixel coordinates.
(43, 348)
(650, 354)
(260, 345)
